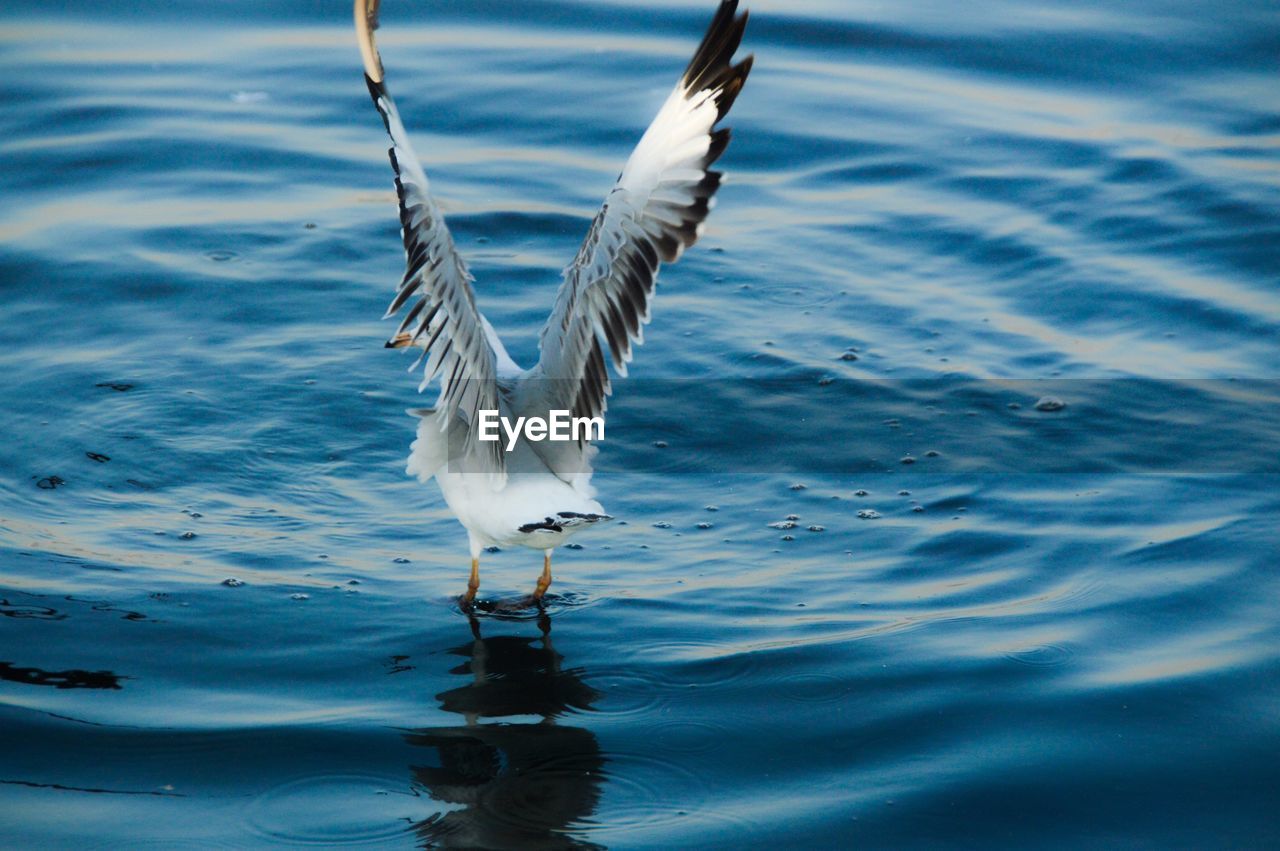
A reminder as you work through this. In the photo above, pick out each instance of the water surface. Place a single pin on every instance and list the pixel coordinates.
(229, 618)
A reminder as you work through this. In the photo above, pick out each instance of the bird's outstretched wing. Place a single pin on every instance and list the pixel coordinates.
(444, 319)
(655, 211)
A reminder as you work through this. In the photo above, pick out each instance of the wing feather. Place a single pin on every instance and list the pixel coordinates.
(444, 319)
(655, 211)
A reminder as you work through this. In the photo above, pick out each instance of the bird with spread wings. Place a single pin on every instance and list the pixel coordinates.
(537, 493)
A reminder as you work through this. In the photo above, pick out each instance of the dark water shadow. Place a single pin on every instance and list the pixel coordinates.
(59, 679)
(522, 784)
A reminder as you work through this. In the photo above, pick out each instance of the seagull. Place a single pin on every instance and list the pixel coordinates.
(529, 492)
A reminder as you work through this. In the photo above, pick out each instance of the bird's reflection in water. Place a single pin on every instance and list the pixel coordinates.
(518, 785)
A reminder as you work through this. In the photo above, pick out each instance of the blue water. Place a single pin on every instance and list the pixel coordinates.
(1059, 631)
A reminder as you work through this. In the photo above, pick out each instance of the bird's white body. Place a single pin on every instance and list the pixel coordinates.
(532, 507)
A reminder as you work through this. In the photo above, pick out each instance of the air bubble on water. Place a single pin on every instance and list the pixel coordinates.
(573, 546)
(1013, 406)
(893, 423)
(861, 493)
(232, 582)
(299, 596)
(848, 356)
(400, 560)
(798, 487)
(704, 525)
(660, 444)
(906, 459)
(187, 536)
(783, 524)
(825, 381)
(932, 453)
(493, 549)
(793, 517)
(869, 514)
(662, 524)
(788, 537)
(904, 493)
(817, 528)
(353, 581)
(1050, 403)
(711, 508)
(918, 509)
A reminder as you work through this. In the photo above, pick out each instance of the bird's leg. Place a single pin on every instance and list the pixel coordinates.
(473, 585)
(544, 581)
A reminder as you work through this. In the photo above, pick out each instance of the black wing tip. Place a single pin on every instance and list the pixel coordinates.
(729, 84)
(715, 53)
